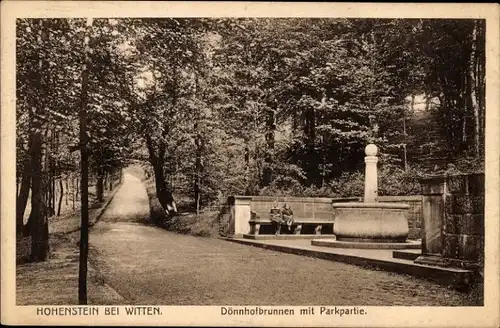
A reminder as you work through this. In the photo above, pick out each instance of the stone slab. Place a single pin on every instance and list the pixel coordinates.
(284, 237)
(429, 259)
(365, 245)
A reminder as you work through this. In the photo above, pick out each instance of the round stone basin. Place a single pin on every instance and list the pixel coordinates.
(371, 222)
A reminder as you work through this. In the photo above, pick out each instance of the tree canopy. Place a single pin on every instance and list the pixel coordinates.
(248, 106)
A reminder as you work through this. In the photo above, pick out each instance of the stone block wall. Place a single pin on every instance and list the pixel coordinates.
(463, 226)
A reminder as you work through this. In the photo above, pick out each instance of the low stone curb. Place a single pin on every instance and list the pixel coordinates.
(105, 291)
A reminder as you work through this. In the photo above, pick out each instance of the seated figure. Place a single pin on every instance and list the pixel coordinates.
(275, 217)
(287, 216)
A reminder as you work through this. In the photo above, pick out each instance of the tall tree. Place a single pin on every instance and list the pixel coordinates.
(84, 229)
(39, 226)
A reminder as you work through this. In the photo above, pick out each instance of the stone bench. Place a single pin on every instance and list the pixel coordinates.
(256, 222)
(249, 214)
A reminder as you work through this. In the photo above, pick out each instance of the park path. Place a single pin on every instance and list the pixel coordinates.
(148, 265)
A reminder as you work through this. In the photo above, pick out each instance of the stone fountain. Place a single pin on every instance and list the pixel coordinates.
(370, 224)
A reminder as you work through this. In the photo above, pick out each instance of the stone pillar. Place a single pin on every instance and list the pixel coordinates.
(240, 215)
(433, 203)
(371, 178)
(453, 221)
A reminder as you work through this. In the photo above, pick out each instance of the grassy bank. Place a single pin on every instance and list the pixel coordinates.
(33, 283)
(66, 227)
(187, 222)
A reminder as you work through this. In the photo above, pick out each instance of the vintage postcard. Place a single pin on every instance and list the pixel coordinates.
(250, 164)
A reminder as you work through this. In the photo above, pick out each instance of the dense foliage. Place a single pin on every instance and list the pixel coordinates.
(245, 106)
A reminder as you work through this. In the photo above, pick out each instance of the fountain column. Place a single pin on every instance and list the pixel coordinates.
(371, 178)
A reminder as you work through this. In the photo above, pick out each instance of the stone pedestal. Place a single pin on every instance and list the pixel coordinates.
(371, 177)
(240, 214)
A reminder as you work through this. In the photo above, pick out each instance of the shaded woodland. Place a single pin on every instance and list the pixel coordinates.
(217, 107)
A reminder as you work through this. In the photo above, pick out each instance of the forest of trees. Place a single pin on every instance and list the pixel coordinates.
(244, 106)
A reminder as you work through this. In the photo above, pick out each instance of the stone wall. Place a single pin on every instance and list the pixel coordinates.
(311, 208)
(463, 226)
(453, 221)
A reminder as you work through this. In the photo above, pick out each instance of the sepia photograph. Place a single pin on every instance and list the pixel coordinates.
(263, 166)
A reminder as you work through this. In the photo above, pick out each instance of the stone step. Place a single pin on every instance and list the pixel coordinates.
(366, 245)
(410, 255)
(286, 237)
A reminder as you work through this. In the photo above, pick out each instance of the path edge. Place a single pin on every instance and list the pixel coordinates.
(439, 276)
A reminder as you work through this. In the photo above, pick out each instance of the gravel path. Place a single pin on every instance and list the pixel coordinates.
(148, 265)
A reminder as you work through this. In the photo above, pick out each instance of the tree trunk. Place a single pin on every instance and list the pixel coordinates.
(22, 199)
(49, 188)
(67, 190)
(473, 92)
(111, 178)
(55, 172)
(53, 182)
(480, 78)
(405, 134)
(323, 163)
(199, 174)
(100, 186)
(198, 168)
(164, 195)
(73, 199)
(465, 105)
(248, 177)
(267, 174)
(157, 154)
(312, 168)
(49, 171)
(199, 150)
(77, 191)
(428, 103)
(39, 227)
(61, 194)
(84, 230)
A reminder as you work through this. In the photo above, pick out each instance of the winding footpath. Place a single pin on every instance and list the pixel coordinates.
(146, 264)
